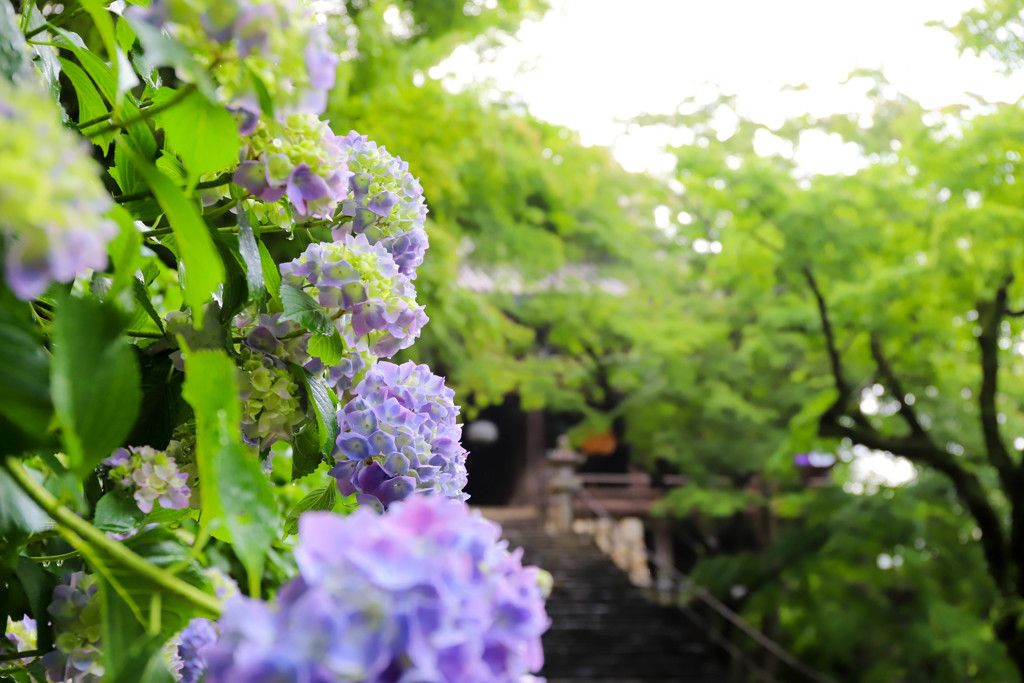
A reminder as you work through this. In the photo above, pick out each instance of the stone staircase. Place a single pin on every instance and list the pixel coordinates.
(603, 629)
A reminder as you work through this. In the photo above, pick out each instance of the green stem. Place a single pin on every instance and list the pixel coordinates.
(64, 18)
(69, 521)
(11, 656)
(145, 335)
(81, 125)
(222, 179)
(55, 558)
(146, 113)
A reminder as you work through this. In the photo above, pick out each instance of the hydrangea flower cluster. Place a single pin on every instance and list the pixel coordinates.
(51, 219)
(153, 475)
(398, 435)
(22, 635)
(361, 280)
(349, 371)
(185, 653)
(284, 340)
(385, 202)
(285, 343)
(300, 158)
(277, 41)
(77, 629)
(271, 409)
(193, 643)
(424, 593)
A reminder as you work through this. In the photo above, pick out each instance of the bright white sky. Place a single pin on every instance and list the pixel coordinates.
(591, 63)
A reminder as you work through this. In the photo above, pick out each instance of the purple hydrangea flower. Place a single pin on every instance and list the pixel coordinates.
(298, 158)
(360, 286)
(52, 222)
(194, 641)
(349, 371)
(399, 435)
(77, 627)
(279, 42)
(153, 476)
(385, 202)
(427, 592)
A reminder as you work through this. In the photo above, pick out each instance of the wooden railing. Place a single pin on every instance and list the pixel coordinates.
(626, 494)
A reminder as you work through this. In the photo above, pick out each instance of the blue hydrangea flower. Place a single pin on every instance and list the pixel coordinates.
(278, 41)
(52, 203)
(349, 371)
(194, 641)
(75, 612)
(152, 475)
(385, 202)
(426, 592)
(298, 158)
(374, 305)
(399, 435)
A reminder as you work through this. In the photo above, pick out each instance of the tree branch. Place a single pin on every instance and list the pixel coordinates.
(835, 360)
(917, 447)
(967, 485)
(990, 316)
(906, 411)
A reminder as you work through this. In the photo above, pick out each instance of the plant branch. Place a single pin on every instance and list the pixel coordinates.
(12, 656)
(222, 179)
(990, 316)
(843, 389)
(74, 526)
(906, 410)
(146, 114)
(967, 485)
(917, 447)
(64, 18)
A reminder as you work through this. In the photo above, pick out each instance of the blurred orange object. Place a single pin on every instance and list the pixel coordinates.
(599, 444)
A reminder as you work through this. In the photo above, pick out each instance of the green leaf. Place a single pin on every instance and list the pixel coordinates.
(19, 516)
(118, 513)
(101, 73)
(94, 380)
(104, 24)
(271, 273)
(125, 34)
(250, 251)
(124, 252)
(265, 100)
(160, 49)
(304, 309)
(121, 628)
(233, 487)
(141, 294)
(124, 74)
(203, 134)
(323, 404)
(161, 515)
(24, 377)
(13, 51)
(328, 348)
(90, 104)
(38, 585)
(146, 655)
(130, 605)
(204, 270)
(318, 499)
(306, 455)
(48, 64)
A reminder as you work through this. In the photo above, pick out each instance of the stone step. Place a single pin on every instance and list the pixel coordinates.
(603, 628)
